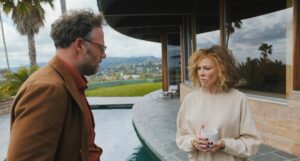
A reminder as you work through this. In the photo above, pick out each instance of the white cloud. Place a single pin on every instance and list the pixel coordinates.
(17, 47)
(121, 45)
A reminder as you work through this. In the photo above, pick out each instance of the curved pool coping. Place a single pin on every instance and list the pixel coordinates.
(149, 150)
(154, 121)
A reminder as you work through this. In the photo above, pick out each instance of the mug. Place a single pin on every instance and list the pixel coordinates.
(210, 133)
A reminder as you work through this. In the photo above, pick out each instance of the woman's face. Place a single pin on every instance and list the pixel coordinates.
(207, 73)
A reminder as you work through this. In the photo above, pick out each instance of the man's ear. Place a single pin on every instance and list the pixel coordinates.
(79, 44)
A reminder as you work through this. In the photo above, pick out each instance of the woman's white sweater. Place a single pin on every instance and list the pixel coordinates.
(229, 114)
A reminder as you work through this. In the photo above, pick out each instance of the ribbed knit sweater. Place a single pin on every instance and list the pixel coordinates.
(227, 112)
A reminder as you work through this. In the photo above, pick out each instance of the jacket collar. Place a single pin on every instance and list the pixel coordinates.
(80, 80)
(74, 92)
(68, 79)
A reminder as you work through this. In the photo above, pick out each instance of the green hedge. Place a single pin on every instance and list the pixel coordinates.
(121, 82)
(128, 90)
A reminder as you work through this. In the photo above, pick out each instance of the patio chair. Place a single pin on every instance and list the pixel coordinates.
(173, 91)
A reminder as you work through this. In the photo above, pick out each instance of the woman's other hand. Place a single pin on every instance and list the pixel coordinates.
(219, 145)
(201, 144)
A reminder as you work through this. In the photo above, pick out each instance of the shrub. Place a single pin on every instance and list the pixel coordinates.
(14, 80)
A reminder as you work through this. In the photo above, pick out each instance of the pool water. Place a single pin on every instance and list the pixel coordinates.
(116, 136)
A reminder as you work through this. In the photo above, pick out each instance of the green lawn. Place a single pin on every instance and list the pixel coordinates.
(140, 89)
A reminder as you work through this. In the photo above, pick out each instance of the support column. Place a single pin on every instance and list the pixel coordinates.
(164, 63)
(187, 43)
(193, 33)
(222, 23)
(182, 55)
(296, 53)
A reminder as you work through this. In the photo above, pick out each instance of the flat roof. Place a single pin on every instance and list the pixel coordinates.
(147, 19)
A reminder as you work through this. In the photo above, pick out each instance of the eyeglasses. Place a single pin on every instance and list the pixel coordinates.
(101, 47)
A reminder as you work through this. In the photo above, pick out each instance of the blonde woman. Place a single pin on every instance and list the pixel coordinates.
(215, 104)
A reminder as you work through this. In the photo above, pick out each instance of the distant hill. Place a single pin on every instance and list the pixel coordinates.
(113, 61)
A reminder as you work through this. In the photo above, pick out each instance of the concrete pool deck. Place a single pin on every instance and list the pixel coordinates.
(155, 122)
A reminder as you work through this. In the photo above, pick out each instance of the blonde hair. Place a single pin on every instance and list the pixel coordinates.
(224, 61)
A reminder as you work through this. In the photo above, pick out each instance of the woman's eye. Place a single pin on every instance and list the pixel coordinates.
(207, 68)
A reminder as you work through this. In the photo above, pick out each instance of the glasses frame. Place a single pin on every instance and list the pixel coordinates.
(101, 47)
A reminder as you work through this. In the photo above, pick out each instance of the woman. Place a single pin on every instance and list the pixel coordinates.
(216, 105)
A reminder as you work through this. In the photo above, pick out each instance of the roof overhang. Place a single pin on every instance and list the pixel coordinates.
(147, 19)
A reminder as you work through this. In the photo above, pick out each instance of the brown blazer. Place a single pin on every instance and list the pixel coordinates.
(47, 122)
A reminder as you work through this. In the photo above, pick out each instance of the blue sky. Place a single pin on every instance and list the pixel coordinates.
(17, 47)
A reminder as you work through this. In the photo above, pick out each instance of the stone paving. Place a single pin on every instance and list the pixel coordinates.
(155, 121)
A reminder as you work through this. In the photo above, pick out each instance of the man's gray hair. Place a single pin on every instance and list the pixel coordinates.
(74, 24)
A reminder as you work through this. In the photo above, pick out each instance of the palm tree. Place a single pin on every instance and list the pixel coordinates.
(63, 6)
(266, 50)
(28, 16)
(230, 28)
(4, 43)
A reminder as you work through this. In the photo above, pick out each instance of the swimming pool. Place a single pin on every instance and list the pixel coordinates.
(116, 136)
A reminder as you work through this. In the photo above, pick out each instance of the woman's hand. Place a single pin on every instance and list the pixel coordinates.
(217, 146)
(202, 144)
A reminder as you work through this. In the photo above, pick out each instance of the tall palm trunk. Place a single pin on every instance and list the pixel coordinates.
(4, 43)
(31, 47)
(63, 6)
(28, 16)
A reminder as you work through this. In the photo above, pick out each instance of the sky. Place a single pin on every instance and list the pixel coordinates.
(119, 45)
(274, 28)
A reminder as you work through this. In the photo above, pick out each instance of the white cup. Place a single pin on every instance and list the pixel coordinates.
(209, 133)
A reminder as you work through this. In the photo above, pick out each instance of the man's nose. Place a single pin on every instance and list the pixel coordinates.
(103, 55)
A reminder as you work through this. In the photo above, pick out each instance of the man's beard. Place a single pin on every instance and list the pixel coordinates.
(88, 66)
(89, 69)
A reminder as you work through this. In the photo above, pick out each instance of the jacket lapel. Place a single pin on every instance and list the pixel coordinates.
(74, 92)
(69, 82)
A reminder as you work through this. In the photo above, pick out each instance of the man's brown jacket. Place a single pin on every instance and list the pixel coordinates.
(47, 122)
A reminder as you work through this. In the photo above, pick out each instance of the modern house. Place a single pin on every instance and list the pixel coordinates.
(264, 36)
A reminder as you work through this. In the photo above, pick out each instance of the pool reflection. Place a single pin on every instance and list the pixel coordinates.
(140, 155)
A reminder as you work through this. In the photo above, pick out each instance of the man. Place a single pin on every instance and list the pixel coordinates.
(51, 119)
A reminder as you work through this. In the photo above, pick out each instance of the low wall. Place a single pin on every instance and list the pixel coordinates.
(278, 121)
(279, 124)
(5, 106)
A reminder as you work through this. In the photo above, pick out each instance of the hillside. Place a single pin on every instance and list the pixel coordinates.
(113, 61)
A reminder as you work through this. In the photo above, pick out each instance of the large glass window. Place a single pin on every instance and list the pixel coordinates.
(262, 47)
(174, 67)
(206, 40)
